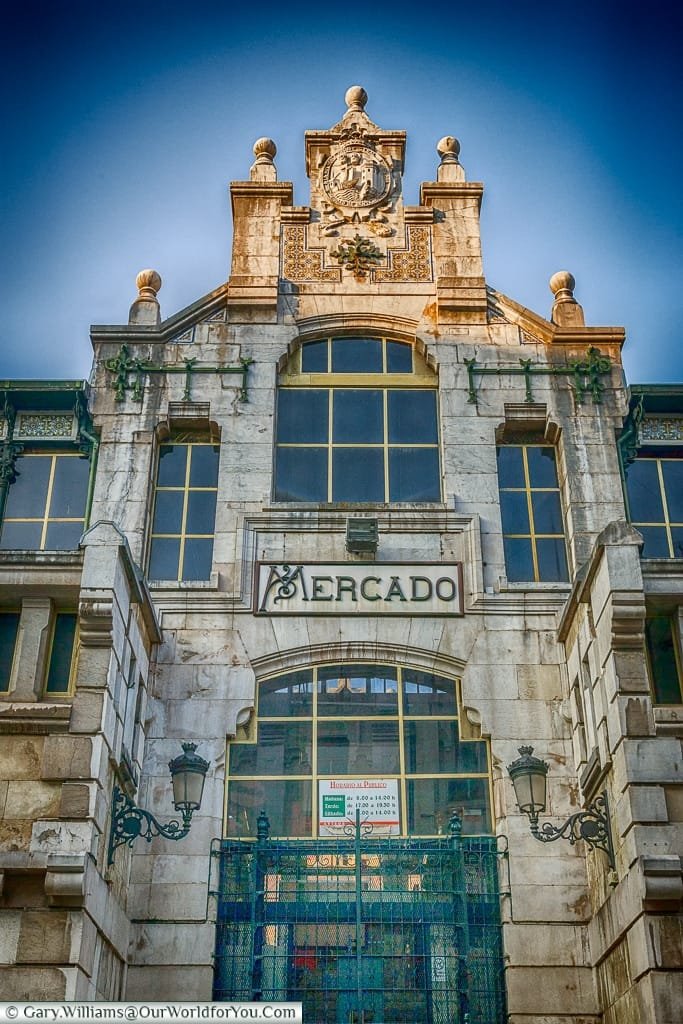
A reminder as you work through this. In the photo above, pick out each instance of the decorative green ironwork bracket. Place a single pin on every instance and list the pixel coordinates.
(587, 374)
(129, 374)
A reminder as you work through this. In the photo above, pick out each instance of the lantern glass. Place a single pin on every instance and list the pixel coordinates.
(188, 772)
(528, 774)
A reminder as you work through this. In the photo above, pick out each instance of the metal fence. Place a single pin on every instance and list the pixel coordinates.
(362, 930)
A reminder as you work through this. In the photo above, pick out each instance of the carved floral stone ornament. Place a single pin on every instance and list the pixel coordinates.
(359, 255)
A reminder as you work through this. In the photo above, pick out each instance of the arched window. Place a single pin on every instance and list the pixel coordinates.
(357, 422)
(324, 734)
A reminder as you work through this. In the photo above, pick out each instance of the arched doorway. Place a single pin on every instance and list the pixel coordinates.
(358, 873)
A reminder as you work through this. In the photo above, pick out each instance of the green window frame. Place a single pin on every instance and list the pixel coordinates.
(355, 722)
(357, 421)
(184, 511)
(59, 680)
(654, 491)
(9, 628)
(662, 643)
(45, 506)
(531, 513)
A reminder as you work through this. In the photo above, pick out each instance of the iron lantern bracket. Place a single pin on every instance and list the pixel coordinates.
(129, 822)
(592, 825)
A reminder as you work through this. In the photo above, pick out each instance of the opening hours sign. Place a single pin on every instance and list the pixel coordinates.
(377, 800)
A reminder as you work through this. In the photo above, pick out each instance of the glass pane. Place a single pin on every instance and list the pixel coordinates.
(541, 462)
(314, 357)
(301, 474)
(61, 654)
(282, 748)
(27, 496)
(677, 541)
(514, 510)
(357, 690)
(20, 536)
(201, 512)
(168, 512)
(424, 694)
(672, 471)
(164, 558)
(358, 417)
(432, 801)
(287, 804)
(510, 466)
(666, 683)
(432, 746)
(552, 560)
(399, 357)
(9, 624)
(358, 474)
(286, 696)
(172, 465)
(414, 474)
(644, 492)
(69, 488)
(198, 558)
(656, 541)
(358, 748)
(412, 417)
(302, 415)
(63, 536)
(519, 565)
(356, 355)
(204, 465)
(547, 512)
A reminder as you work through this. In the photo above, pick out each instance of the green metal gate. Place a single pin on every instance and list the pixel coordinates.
(362, 930)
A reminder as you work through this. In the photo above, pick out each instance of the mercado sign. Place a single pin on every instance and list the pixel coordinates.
(343, 588)
(376, 799)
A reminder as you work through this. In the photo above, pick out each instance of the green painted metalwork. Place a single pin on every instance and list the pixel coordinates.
(587, 375)
(362, 929)
(358, 255)
(129, 374)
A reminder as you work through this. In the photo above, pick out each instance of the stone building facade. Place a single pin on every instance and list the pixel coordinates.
(359, 526)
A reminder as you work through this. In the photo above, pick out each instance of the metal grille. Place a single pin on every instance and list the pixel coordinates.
(362, 930)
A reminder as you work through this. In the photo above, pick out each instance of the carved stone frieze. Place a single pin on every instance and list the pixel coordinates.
(412, 263)
(299, 263)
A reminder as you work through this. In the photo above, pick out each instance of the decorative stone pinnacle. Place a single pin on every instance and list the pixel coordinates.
(145, 309)
(562, 285)
(566, 310)
(264, 150)
(448, 149)
(356, 97)
(263, 168)
(148, 283)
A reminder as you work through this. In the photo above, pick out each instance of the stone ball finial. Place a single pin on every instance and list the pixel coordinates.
(265, 150)
(148, 283)
(356, 97)
(448, 148)
(562, 282)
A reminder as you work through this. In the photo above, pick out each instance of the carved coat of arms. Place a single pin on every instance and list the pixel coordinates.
(357, 183)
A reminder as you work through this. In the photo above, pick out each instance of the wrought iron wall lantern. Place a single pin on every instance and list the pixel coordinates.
(528, 774)
(128, 822)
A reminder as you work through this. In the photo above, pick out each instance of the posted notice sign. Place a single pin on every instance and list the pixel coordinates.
(377, 800)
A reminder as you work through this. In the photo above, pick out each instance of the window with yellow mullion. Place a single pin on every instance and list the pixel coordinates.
(46, 503)
(654, 487)
(531, 513)
(184, 512)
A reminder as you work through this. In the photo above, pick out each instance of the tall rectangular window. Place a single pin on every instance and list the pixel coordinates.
(654, 487)
(184, 511)
(663, 656)
(61, 654)
(9, 626)
(46, 504)
(531, 512)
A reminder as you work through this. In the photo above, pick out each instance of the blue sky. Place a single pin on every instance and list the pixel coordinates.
(123, 125)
